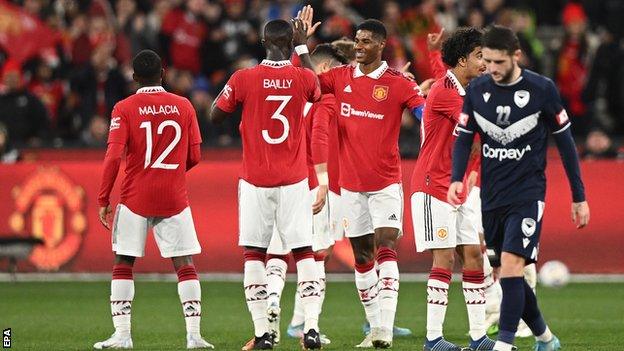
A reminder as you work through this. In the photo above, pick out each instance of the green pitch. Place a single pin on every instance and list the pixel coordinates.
(72, 316)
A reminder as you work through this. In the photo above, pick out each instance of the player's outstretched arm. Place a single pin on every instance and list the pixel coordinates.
(569, 156)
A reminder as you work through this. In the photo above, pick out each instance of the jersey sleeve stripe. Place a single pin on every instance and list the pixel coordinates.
(564, 128)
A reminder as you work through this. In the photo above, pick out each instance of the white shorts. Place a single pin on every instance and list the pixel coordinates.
(474, 201)
(286, 208)
(439, 225)
(337, 219)
(321, 238)
(367, 211)
(175, 235)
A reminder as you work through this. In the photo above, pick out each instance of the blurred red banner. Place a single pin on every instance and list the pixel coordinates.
(23, 36)
(56, 201)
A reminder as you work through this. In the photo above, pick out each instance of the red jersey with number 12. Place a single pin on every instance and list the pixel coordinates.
(158, 128)
(272, 128)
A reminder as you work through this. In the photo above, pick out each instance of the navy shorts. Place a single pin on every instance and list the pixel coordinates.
(515, 228)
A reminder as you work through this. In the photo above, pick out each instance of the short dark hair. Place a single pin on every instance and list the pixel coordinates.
(374, 26)
(278, 32)
(147, 65)
(500, 38)
(460, 44)
(329, 51)
(346, 47)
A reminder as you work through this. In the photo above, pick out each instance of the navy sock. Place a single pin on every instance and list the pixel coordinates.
(531, 314)
(512, 307)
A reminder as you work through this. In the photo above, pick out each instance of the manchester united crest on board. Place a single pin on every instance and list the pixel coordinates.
(380, 92)
(49, 206)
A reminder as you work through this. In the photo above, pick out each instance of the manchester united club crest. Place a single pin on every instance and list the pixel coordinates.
(49, 206)
(380, 92)
(442, 233)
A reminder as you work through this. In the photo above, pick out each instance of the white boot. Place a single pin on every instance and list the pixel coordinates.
(116, 341)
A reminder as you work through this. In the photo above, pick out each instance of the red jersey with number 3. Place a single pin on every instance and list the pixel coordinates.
(273, 95)
(158, 128)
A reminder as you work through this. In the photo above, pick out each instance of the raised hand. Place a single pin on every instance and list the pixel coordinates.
(434, 40)
(306, 14)
(299, 32)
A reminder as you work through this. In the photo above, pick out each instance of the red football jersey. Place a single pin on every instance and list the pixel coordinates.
(273, 95)
(158, 128)
(432, 173)
(369, 121)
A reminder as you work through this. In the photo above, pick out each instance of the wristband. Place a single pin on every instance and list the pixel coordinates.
(323, 178)
(301, 49)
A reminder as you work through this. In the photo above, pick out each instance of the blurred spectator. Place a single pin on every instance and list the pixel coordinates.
(603, 91)
(598, 145)
(182, 33)
(572, 66)
(340, 21)
(98, 86)
(8, 154)
(396, 52)
(96, 135)
(49, 89)
(240, 33)
(22, 113)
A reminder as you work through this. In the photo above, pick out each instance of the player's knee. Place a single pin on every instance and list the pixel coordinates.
(127, 260)
(364, 256)
(443, 258)
(472, 257)
(181, 261)
(512, 265)
(386, 238)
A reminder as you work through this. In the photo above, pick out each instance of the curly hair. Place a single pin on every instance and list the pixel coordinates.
(460, 44)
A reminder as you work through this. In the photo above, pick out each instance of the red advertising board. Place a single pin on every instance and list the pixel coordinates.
(56, 201)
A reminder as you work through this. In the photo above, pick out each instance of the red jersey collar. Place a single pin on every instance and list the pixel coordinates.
(376, 74)
(456, 83)
(276, 64)
(152, 89)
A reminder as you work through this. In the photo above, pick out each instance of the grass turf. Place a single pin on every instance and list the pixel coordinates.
(74, 315)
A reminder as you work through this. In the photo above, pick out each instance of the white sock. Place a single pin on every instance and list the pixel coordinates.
(546, 336)
(298, 317)
(276, 277)
(122, 294)
(366, 284)
(320, 265)
(256, 295)
(437, 300)
(493, 291)
(474, 295)
(388, 288)
(309, 288)
(530, 275)
(190, 297)
(502, 346)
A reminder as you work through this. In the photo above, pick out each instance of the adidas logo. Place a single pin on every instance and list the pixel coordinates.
(486, 96)
(347, 89)
(393, 217)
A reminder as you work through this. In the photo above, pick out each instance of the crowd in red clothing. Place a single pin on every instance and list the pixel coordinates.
(76, 83)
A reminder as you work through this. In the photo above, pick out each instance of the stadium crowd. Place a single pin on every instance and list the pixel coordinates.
(63, 97)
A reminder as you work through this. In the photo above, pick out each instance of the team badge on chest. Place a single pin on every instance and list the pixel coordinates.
(521, 98)
(380, 92)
